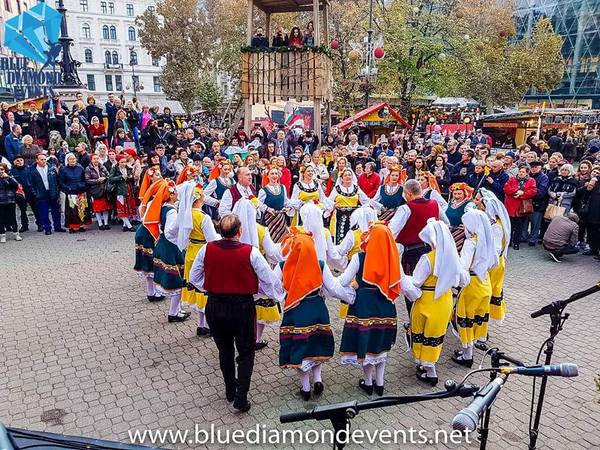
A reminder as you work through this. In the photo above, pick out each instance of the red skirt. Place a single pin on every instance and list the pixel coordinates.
(126, 205)
(101, 205)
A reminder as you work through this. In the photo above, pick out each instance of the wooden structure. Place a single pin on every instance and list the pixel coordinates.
(271, 75)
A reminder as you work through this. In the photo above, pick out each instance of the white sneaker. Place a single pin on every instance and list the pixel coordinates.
(3, 238)
(18, 237)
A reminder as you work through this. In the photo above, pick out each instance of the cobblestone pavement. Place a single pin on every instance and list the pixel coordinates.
(83, 352)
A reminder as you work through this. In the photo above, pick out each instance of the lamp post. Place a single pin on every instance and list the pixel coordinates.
(369, 54)
(133, 63)
(69, 78)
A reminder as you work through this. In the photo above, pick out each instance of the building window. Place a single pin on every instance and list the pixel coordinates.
(91, 82)
(133, 60)
(131, 33)
(107, 58)
(115, 57)
(105, 34)
(113, 32)
(103, 8)
(88, 56)
(86, 32)
(157, 87)
(83, 5)
(109, 83)
(155, 62)
(111, 8)
(118, 82)
(129, 9)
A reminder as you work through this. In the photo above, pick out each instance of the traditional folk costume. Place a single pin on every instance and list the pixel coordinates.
(371, 325)
(344, 200)
(267, 312)
(472, 310)
(168, 259)
(455, 211)
(303, 193)
(272, 203)
(434, 276)
(498, 214)
(305, 336)
(232, 195)
(360, 220)
(146, 236)
(195, 230)
(390, 197)
(213, 193)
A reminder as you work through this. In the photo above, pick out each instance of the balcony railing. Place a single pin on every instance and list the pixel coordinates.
(270, 76)
(110, 66)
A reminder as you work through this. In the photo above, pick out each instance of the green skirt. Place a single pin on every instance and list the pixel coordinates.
(305, 335)
(144, 251)
(168, 267)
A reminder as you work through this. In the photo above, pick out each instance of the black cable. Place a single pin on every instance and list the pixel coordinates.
(537, 361)
(57, 442)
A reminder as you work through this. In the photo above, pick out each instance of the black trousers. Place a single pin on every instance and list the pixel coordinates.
(22, 203)
(593, 236)
(517, 224)
(232, 321)
(8, 218)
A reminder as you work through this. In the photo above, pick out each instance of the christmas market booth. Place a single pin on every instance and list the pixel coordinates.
(518, 125)
(374, 121)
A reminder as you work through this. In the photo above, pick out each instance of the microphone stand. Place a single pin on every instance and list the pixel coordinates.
(498, 359)
(557, 320)
(340, 414)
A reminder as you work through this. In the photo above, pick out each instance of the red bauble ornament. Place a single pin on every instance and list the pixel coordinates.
(503, 34)
(334, 44)
(378, 53)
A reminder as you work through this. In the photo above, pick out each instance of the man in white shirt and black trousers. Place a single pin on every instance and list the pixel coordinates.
(231, 273)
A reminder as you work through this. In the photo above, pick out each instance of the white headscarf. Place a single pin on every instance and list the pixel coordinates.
(246, 211)
(185, 194)
(447, 267)
(312, 221)
(494, 208)
(338, 181)
(362, 217)
(67, 157)
(477, 223)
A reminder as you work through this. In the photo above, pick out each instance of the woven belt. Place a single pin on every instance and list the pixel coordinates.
(197, 241)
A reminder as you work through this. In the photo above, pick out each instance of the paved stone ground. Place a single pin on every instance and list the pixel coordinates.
(82, 352)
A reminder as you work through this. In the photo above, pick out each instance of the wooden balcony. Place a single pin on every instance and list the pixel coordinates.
(270, 76)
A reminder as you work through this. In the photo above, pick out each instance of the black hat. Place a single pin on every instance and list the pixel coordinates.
(536, 164)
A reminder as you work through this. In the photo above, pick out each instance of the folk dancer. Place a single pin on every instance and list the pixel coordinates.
(307, 189)
(472, 309)
(434, 276)
(274, 205)
(242, 189)
(306, 339)
(370, 327)
(267, 312)
(460, 202)
(168, 259)
(390, 192)
(230, 310)
(220, 180)
(195, 229)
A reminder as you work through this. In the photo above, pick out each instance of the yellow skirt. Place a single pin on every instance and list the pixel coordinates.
(429, 321)
(191, 296)
(344, 310)
(497, 303)
(473, 310)
(267, 312)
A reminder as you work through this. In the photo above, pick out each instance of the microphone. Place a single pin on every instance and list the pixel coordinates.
(552, 370)
(468, 417)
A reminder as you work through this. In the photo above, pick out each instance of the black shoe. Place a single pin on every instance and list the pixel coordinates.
(378, 389)
(155, 298)
(590, 252)
(532, 244)
(199, 331)
(207, 332)
(23, 229)
(132, 229)
(304, 394)
(40, 229)
(125, 229)
(71, 231)
(82, 230)
(429, 380)
(367, 389)
(515, 246)
(61, 230)
(458, 358)
(101, 227)
(48, 233)
(554, 257)
(318, 388)
(241, 405)
(260, 345)
(179, 318)
(107, 227)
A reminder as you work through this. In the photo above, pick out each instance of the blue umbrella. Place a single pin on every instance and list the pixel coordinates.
(34, 33)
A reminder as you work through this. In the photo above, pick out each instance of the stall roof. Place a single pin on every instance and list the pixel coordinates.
(371, 109)
(283, 6)
(528, 113)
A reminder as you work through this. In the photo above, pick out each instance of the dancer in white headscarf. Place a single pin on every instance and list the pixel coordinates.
(435, 274)
(498, 214)
(267, 312)
(472, 312)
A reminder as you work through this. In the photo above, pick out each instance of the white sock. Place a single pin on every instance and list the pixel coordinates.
(150, 289)
(126, 222)
(260, 327)
(99, 219)
(174, 308)
(200, 320)
(379, 372)
(105, 217)
(304, 379)
(468, 352)
(368, 371)
(316, 370)
(431, 372)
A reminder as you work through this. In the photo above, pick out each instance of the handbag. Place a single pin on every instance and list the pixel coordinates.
(553, 210)
(526, 208)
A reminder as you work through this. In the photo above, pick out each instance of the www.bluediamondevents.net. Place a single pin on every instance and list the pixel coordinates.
(262, 435)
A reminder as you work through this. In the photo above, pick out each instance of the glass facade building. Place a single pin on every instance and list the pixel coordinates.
(578, 22)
